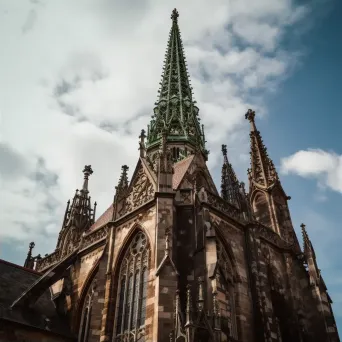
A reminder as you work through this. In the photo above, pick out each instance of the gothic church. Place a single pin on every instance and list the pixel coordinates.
(173, 259)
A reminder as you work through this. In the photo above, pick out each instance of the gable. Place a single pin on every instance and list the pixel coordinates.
(194, 169)
(140, 191)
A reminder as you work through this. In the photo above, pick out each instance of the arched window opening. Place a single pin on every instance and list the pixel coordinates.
(261, 210)
(282, 312)
(226, 294)
(84, 330)
(132, 291)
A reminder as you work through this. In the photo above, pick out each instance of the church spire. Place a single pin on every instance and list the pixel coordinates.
(79, 211)
(229, 182)
(262, 170)
(123, 183)
(175, 110)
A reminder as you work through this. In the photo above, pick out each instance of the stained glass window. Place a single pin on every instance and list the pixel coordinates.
(131, 300)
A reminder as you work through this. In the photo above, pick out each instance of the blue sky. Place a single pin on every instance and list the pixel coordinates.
(87, 86)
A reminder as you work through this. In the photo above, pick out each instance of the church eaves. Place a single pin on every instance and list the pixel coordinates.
(175, 112)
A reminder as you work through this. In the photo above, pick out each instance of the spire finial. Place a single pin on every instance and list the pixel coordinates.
(28, 261)
(250, 115)
(142, 143)
(31, 246)
(87, 171)
(174, 15)
(229, 181)
(224, 150)
(123, 181)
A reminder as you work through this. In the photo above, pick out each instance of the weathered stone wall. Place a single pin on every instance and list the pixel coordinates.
(233, 238)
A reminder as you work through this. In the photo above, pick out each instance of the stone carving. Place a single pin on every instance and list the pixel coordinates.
(272, 237)
(94, 237)
(58, 255)
(48, 261)
(219, 204)
(141, 192)
(185, 196)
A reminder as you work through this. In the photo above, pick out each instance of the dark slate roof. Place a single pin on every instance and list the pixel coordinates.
(14, 280)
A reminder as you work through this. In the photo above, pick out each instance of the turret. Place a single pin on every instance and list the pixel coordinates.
(79, 213)
(267, 196)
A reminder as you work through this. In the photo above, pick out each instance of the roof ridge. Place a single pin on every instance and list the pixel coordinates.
(20, 267)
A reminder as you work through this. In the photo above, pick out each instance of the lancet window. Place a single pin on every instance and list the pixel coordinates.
(84, 330)
(132, 291)
(226, 294)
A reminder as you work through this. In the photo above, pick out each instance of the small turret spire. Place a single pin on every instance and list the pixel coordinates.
(123, 181)
(229, 181)
(262, 170)
(142, 147)
(87, 171)
(307, 245)
(79, 212)
(29, 259)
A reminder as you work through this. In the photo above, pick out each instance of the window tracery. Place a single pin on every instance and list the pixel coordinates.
(86, 313)
(132, 292)
(226, 294)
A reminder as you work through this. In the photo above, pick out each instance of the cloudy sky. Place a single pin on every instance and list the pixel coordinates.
(78, 80)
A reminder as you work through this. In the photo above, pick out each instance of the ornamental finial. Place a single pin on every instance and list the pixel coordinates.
(250, 115)
(87, 171)
(174, 15)
(224, 150)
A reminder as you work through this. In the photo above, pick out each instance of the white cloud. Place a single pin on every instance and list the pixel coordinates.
(78, 81)
(324, 166)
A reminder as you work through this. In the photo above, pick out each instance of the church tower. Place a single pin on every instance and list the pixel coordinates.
(172, 259)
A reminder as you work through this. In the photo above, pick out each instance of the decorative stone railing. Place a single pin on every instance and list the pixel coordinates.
(48, 261)
(93, 237)
(85, 242)
(220, 204)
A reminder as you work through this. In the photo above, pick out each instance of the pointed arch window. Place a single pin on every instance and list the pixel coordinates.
(132, 291)
(226, 294)
(84, 330)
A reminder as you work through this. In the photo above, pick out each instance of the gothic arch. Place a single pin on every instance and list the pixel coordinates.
(283, 314)
(136, 227)
(261, 208)
(130, 285)
(228, 249)
(225, 283)
(82, 298)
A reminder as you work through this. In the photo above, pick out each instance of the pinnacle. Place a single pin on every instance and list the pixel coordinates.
(262, 171)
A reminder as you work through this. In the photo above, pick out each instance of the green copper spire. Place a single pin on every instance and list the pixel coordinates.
(175, 111)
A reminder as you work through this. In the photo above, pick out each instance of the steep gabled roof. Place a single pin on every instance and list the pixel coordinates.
(180, 169)
(14, 280)
(106, 217)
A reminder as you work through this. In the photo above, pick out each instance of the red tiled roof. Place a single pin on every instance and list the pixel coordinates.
(103, 219)
(180, 169)
(19, 267)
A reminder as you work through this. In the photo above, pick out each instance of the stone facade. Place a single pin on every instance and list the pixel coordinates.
(172, 259)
